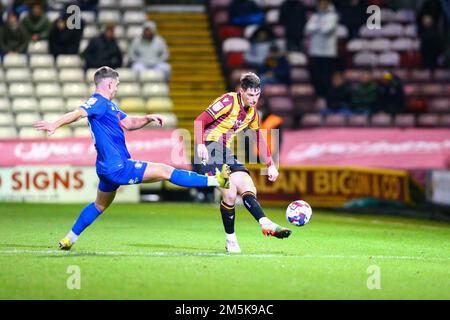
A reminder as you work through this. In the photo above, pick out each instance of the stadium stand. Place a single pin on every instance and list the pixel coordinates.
(394, 47)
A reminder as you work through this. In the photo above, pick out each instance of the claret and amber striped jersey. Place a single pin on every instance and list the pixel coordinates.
(231, 116)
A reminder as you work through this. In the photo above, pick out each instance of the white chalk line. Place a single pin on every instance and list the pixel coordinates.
(210, 254)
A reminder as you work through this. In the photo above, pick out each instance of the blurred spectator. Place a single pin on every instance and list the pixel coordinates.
(103, 50)
(391, 95)
(63, 40)
(430, 43)
(365, 94)
(36, 23)
(276, 68)
(434, 9)
(245, 12)
(149, 51)
(13, 37)
(261, 40)
(353, 15)
(87, 5)
(322, 27)
(339, 96)
(293, 18)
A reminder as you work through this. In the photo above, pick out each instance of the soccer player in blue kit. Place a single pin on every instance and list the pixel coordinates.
(114, 165)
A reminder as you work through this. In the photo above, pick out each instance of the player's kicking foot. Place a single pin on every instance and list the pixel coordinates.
(232, 247)
(223, 177)
(65, 244)
(274, 230)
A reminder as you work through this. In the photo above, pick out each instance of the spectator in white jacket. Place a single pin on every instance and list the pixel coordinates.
(323, 52)
(149, 51)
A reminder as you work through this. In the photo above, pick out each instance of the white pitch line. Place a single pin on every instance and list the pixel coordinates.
(212, 254)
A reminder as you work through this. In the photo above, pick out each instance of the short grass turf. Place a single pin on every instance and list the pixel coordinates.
(176, 251)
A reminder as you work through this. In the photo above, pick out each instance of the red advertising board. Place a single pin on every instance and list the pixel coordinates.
(368, 147)
(158, 145)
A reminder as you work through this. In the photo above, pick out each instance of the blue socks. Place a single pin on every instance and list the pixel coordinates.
(87, 216)
(190, 179)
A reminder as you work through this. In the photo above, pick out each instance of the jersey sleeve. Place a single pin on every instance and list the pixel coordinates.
(94, 108)
(220, 106)
(254, 125)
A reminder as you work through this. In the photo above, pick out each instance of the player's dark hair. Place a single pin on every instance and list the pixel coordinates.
(104, 73)
(250, 80)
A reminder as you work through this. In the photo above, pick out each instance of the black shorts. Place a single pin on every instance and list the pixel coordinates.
(219, 155)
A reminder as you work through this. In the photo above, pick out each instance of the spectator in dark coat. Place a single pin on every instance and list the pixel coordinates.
(339, 96)
(245, 12)
(103, 51)
(276, 68)
(36, 23)
(430, 43)
(63, 40)
(353, 15)
(391, 94)
(261, 41)
(293, 18)
(13, 37)
(365, 94)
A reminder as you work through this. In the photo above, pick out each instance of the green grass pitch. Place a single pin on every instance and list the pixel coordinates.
(176, 251)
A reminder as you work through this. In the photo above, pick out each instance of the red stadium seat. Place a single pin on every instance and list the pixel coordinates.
(227, 31)
(235, 59)
(417, 105)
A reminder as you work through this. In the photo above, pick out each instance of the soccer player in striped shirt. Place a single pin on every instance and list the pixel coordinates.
(114, 165)
(215, 129)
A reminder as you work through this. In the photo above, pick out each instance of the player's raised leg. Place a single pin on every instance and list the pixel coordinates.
(246, 188)
(160, 171)
(228, 218)
(86, 217)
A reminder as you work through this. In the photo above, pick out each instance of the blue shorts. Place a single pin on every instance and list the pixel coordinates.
(132, 172)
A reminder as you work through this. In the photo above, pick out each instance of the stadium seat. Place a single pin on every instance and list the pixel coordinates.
(358, 120)
(235, 45)
(123, 46)
(107, 4)
(444, 120)
(151, 76)
(379, 44)
(90, 31)
(432, 89)
(392, 30)
(365, 32)
(365, 59)
(6, 119)
(5, 105)
(132, 4)
(71, 75)
(381, 120)
(170, 120)
(38, 47)
(2, 75)
(12, 60)
(73, 103)
(304, 90)
(41, 61)
(52, 15)
(8, 133)
(279, 31)
(155, 90)
(403, 44)
(48, 89)
(280, 104)
(158, 104)
(129, 89)
(83, 45)
(27, 119)
(3, 89)
(272, 16)
(235, 60)
(51, 104)
(21, 90)
(442, 75)
(275, 90)
(18, 75)
(250, 30)
(410, 31)
(221, 17)
(62, 132)
(109, 17)
(215, 4)
(44, 75)
(81, 132)
(387, 15)
(75, 90)
(24, 104)
(298, 59)
(356, 45)
(300, 75)
(405, 16)
(119, 32)
(134, 31)
(404, 120)
(130, 105)
(228, 31)
(427, 120)
(420, 75)
(88, 17)
(68, 61)
(439, 105)
(342, 32)
(310, 120)
(126, 75)
(335, 120)
(389, 59)
(134, 17)
(29, 132)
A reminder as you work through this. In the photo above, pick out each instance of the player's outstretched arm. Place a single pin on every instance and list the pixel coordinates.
(264, 152)
(138, 122)
(67, 118)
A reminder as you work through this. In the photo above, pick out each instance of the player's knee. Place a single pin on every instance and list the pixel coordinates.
(229, 198)
(166, 172)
